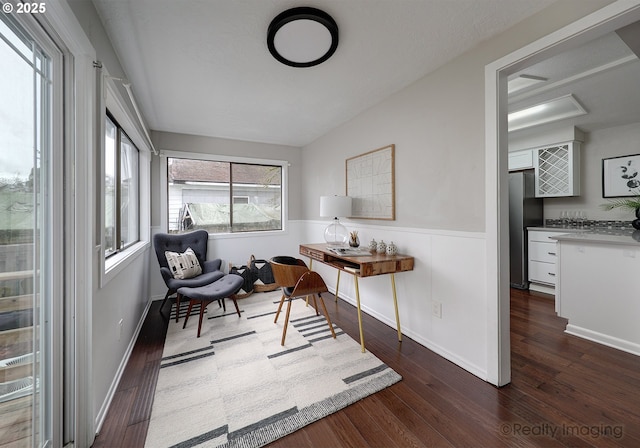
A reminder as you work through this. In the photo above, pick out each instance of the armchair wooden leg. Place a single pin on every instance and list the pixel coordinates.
(203, 305)
(186, 318)
(286, 322)
(233, 297)
(177, 306)
(166, 297)
(279, 309)
(326, 315)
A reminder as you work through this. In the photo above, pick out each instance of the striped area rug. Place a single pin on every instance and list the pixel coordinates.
(236, 386)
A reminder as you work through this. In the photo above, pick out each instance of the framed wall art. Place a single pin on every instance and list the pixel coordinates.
(371, 184)
(621, 176)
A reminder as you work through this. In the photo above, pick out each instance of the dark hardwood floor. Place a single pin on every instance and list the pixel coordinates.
(565, 391)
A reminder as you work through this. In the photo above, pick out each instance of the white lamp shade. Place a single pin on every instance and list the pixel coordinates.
(335, 206)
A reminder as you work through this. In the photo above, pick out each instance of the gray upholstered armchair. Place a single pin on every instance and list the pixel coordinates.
(197, 241)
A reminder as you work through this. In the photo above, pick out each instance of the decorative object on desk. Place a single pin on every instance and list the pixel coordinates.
(631, 203)
(335, 206)
(371, 183)
(382, 247)
(373, 245)
(392, 249)
(253, 391)
(354, 241)
(621, 176)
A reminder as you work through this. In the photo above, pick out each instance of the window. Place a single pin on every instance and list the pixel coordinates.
(30, 146)
(121, 187)
(223, 197)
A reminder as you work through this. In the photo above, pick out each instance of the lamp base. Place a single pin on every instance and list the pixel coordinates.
(336, 235)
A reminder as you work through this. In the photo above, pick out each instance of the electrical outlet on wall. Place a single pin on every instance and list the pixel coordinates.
(120, 325)
(436, 309)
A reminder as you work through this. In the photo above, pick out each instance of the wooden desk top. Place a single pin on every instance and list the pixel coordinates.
(362, 266)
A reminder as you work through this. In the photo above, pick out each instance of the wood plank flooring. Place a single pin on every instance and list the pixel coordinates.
(565, 391)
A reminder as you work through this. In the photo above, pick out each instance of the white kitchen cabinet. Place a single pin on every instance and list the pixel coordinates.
(542, 260)
(520, 160)
(557, 170)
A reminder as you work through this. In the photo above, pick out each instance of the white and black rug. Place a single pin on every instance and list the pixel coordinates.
(236, 386)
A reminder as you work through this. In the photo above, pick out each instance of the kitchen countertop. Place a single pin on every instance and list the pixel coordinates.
(628, 237)
(557, 229)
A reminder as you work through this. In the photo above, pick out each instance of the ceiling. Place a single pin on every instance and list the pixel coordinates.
(602, 75)
(203, 67)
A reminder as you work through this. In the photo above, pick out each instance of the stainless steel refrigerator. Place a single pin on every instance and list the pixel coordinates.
(525, 210)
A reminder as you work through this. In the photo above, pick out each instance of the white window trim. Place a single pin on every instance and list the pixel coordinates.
(284, 164)
(113, 100)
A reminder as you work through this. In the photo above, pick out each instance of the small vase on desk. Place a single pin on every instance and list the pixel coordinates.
(373, 246)
(382, 247)
(392, 249)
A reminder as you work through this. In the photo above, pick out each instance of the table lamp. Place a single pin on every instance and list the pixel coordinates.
(335, 206)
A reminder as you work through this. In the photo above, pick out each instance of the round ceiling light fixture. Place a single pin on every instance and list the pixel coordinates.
(302, 37)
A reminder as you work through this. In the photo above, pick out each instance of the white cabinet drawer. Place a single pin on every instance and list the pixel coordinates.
(545, 252)
(543, 236)
(542, 272)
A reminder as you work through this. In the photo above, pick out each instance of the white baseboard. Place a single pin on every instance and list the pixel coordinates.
(542, 288)
(604, 339)
(465, 364)
(102, 413)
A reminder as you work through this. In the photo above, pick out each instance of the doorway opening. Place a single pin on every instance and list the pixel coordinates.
(595, 25)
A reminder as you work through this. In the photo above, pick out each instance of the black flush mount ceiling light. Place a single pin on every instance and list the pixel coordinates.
(302, 37)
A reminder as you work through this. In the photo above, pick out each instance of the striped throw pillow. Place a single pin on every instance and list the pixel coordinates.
(183, 265)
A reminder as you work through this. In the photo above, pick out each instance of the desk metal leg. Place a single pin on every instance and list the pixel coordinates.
(338, 284)
(311, 269)
(395, 305)
(355, 277)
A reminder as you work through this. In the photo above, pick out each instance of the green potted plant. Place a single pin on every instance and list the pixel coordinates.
(629, 203)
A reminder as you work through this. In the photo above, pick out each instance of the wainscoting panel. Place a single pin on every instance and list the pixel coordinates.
(449, 272)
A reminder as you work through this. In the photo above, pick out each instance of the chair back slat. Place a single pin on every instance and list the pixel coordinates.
(309, 283)
(287, 275)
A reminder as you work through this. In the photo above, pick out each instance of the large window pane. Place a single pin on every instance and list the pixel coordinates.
(256, 192)
(25, 237)
(128, 192)
(121, 189)
(223, 197)
(110, 179)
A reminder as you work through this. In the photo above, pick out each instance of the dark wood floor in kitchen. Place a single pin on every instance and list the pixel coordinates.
(565, 391)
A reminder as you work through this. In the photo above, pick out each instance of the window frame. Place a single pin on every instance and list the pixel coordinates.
(121, 135)
(112, 100)
(164, 193)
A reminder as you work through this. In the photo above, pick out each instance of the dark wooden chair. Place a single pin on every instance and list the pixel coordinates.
(296, 280)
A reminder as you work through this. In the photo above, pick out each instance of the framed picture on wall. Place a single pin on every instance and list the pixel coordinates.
(371, 184)
(621, 176)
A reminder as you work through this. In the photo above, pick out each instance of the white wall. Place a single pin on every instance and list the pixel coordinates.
(437, 125)
(124, 298)
(598, 145)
